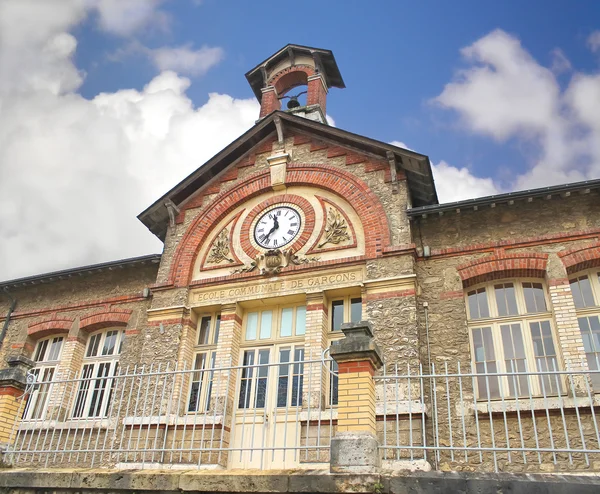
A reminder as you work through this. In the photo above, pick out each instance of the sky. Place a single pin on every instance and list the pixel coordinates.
(107, 104)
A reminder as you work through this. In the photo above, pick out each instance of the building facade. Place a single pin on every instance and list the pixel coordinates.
(216, 353)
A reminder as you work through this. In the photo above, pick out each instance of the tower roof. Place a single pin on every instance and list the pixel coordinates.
(324, 62)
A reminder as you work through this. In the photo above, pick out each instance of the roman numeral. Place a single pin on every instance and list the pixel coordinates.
(261, 230)
(278, 212)
(290, 232)
(293, 224)
(261, 238)
(270, 216)
(275, 242)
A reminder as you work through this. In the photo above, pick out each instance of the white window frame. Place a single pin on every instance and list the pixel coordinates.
(534, 385)
(45, 372)
(588, 312)
(347, 308)
(276, 316)
(91, 383)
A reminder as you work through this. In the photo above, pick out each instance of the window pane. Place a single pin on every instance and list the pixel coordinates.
(204, 332)
(246, 380)
(545, 355)
(298, 377)
(582, 292)
(261, 381)
(110, 342)
(55, 348)
(485, 362)
(251, 325)
(217, 328)
(41, 351)
(333, 384)
(92, 350)
(355, 309)
(590, 332)
(287, 321)
(534, 297)
(266, 322)
(337, 314)
(478, 304)
(514, 358)
(300, 320)
(282, 383)
(505, 299)
(196, 387)
(84, 385)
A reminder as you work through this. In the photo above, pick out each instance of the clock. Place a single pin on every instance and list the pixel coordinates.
(277, 227)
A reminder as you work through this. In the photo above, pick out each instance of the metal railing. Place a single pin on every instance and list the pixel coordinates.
(457, 418)
(268, 415)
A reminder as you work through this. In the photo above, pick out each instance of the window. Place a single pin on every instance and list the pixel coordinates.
(273, 358)
(511, 331)
(346, 309)
(46, 356)
(204, 361)
(100, 365)
(586, 295)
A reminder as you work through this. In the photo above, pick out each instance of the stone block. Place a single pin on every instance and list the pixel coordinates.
(243, 481)
(354, 451)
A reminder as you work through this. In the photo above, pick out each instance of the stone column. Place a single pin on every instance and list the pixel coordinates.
(315, 342)
(13, 382)
(354, 447)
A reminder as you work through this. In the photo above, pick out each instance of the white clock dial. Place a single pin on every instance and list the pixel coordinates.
(277, 227)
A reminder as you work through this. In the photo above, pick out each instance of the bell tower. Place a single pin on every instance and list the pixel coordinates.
(310, 71)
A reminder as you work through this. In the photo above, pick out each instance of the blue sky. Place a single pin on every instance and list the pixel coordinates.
(395, 57)
(106, 104)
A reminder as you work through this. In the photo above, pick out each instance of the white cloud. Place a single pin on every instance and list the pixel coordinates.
(506, 94)
(456, 184)
(560, 62)
(593, 41)
(75, 172)
(185, 59)
(125, 17)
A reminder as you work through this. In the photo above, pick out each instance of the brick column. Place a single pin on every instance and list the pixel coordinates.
(354, 447)
(315, 342)
(269, 102)
(13, 382)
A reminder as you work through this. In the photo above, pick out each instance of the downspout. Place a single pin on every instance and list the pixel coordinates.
(11, 309)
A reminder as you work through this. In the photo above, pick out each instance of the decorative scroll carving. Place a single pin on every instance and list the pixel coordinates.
(273, 261)
(219, 251)
(336, 230)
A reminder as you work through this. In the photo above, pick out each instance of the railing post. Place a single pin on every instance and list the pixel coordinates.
(354, 447)
(13, 381)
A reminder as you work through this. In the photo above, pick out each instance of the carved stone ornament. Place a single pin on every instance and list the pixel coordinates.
(273, 261)
(336, 230)
(219, 251)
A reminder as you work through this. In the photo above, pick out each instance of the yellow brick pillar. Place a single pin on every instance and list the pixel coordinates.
(13, 382)
(354, 447)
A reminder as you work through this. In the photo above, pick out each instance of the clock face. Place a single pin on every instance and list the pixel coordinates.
(277, 227)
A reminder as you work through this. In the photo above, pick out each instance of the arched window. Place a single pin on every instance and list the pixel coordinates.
(100, 364)
(511, 330)
(586, 295)
(46, 357)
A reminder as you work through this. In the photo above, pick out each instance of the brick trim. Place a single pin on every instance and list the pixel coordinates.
(320, 176)
(105, 319)
(49, 327)
(502, 265)
(370, 297)
(290, 77)
(356, 366)
(580, 258)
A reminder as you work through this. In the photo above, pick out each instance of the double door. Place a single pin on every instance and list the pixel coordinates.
(266, 425)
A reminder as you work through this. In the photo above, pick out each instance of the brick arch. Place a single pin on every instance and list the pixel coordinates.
(291, 77)
(501, 265)
(326, 177)
(49, 327)
(105, 319)
(580, 258)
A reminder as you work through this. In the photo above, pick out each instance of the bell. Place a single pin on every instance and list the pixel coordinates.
(293, 103)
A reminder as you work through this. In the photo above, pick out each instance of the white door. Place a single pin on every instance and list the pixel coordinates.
(266, 427)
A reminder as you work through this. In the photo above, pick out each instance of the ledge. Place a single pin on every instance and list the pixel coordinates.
(527, 405)
(288, 481)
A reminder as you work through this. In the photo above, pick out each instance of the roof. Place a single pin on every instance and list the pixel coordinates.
(81, 271)
(324, 60)
(416, 167)
(563, 190)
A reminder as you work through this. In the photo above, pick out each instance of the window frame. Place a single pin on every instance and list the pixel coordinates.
(34, 409)
(275, 336)
(587, 312)
(495, 321)
(94, 382)
(347, 310)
